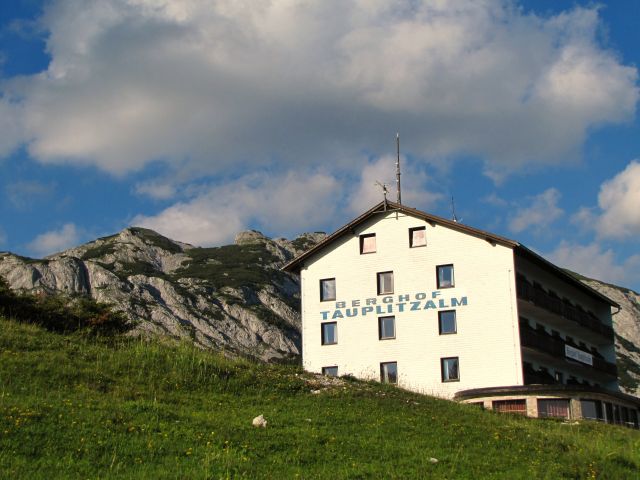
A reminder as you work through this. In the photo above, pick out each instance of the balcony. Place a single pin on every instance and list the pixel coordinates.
(556, 348)
(561, 307)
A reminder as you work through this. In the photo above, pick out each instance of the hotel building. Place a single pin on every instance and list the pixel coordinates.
(441, 308)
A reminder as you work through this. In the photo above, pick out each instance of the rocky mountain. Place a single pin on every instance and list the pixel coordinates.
(232, 298)
(626, 323)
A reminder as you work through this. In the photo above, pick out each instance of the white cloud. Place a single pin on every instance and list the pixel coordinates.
(495, 201)
(541, 213)
(156, 190)
(55, 240)
(273, 203)
(619, 200)
(595, 262)
(214, 85)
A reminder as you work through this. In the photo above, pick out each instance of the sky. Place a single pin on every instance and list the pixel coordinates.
(200, 119)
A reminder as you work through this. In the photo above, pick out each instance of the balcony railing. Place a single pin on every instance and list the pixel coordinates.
(538, 296)
(548, 344)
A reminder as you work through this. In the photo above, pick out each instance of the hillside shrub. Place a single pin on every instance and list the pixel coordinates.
(62, 314)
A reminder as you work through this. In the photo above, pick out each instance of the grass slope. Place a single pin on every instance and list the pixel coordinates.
(78, 407)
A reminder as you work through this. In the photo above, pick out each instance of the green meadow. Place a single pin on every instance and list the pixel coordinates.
(74, 405)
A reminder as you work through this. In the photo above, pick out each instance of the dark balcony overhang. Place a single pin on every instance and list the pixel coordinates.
(560, 311)
(555, 349)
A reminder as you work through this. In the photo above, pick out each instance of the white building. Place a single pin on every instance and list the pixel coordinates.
(444, 309)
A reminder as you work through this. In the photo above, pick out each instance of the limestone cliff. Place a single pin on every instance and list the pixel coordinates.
(232, 298)
(626, 324)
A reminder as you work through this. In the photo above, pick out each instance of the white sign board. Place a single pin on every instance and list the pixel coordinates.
(579, 355)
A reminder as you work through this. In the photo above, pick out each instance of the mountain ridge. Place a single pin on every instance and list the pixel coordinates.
(232, 298)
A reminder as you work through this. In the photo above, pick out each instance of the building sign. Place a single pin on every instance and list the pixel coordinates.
(579, 355)
(391, 304)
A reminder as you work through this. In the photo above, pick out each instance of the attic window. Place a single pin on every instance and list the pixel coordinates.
(417, 237)
(368, 243)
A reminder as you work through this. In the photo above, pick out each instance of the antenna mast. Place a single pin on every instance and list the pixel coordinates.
(453, 211)
(399, 195)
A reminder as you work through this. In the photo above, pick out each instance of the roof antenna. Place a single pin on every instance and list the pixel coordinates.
(385, 190)
(453, 210)
(399, 195)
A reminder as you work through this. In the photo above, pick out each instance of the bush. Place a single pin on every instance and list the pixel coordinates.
(60, 313)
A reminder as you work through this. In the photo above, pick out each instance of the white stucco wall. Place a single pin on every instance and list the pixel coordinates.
(487, 338)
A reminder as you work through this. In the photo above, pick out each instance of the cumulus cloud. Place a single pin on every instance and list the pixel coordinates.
(213, 85)
(55, 240)
(272, 203)
(619, 200)
(541, 213)
(594, 261)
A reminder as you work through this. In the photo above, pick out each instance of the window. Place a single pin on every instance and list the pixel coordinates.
(327, 289)
(450, 370)
(368, 243)
(447, 322)
(445, 276)
(330, 371)
(417, 237)
(387, 327)
(385, 283)
(510, 406)
(389, 372)
(329, 333)
(553, 407)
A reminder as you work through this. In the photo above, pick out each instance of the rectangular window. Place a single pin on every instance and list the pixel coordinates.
(449, 369)
(444, 275)
(330, 371)
(553, 407)
(385, 283)
(447, 322)
(329, 333)
(368, 243)
(510, 406)
(327, 289)
(389, 372)
(387, 327)
(417, 237)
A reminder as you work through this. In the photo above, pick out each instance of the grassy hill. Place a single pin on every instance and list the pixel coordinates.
(76, 406)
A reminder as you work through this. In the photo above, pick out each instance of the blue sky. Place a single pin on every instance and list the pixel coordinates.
(201, 119)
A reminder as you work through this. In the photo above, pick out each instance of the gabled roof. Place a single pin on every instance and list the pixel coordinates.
(385, 207)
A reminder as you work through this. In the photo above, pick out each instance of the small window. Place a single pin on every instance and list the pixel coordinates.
(329, 333)
(330, 371)
(368, 243)
(327, 289)
(450, 370)
(387, 327)
(385, 283)
(445, 276)
(389, 372)
(447, 322)
(417, 237)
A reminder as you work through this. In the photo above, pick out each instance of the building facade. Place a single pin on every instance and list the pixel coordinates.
(440, 308)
